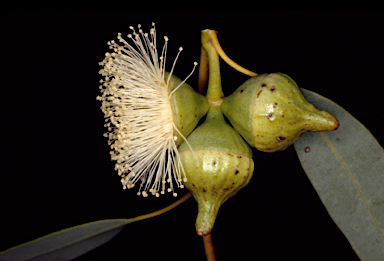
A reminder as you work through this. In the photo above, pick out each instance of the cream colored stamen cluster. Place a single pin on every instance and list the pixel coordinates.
(137, 107)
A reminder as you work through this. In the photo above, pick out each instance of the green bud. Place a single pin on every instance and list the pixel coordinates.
(188, 107)
(224, 166)
(271, 113)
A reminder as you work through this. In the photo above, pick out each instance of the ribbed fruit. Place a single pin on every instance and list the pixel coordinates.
(271, 113)
(224, 165)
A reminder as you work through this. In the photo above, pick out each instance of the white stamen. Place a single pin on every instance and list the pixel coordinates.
(197, 161)
(195, 63)
(174, 63)
(137, 106)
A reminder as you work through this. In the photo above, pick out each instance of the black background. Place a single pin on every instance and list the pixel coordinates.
(56, 170)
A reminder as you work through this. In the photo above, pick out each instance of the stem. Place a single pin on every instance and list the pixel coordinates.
(161, 211)
(208, 246)
(215, 93)
(219, 50)
(203, 72)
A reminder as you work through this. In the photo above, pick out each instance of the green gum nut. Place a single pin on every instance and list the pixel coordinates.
(224, 166)
(188, 107)
(271, 113)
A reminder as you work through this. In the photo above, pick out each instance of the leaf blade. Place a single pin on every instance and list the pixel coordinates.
(346, 169)
(68, 243)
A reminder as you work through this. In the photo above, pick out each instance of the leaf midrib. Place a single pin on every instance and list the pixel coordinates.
(354, 182)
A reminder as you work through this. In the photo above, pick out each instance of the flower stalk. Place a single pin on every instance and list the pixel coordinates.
(229, 61)
(215, 93)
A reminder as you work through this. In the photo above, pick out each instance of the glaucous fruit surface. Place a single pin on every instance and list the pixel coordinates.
(271, 113)
(224, 166)
(188, 107)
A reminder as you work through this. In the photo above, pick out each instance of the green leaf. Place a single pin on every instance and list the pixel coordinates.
(346, 167)
(68, 243)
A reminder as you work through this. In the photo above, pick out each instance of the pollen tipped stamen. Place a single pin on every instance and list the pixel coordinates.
(194, 66)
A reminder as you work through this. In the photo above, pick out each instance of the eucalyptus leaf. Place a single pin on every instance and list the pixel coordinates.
(346, 167)
(68, 243)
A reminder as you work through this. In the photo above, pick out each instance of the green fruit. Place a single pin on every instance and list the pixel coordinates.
(188, 107)
(271, 113)
(224, 166)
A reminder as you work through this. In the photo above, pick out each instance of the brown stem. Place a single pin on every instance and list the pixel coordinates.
(203, 72)
(208, 246)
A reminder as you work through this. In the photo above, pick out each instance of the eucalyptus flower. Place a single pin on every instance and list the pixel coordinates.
(136, 101)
